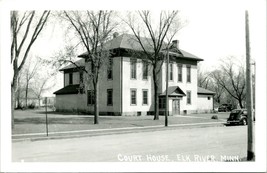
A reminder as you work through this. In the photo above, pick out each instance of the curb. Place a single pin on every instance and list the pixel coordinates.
(102, 132)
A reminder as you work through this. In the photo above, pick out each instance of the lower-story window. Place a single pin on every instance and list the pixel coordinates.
(109, 97)
(162, 102)
(90, 97)
(133, 96)
(188, 96)
(145, 97)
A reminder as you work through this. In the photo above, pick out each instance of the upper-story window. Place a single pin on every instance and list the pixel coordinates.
(171, 72)
(180, 73)
(70, 78)
(188, 73)
(133, 68)
(110, 69)
(145, 70)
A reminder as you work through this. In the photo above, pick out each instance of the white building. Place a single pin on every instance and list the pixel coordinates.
(127, 88)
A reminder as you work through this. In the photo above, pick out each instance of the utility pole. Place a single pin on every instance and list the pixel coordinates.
(167, 86)
(250, 149)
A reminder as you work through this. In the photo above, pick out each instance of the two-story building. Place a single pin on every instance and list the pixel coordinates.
(126, 86)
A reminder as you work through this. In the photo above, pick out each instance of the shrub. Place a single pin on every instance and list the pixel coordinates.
(31, 106)
(215, 117)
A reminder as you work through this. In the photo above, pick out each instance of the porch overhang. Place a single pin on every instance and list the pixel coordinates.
(174, 91)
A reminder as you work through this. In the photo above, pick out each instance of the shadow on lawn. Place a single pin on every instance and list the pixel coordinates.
(61, 113)
(55, 120)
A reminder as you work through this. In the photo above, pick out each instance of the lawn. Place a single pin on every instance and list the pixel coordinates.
(34, 121)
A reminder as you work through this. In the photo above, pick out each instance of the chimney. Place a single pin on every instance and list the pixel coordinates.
(175, 43)
(115, 34)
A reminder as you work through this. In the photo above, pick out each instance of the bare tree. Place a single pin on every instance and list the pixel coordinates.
(152, 42)
(232, 78)
(203, 78)
(22, 28)
(30, 71)
(93, 29)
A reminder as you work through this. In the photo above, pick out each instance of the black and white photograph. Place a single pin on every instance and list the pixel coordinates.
(133, 86)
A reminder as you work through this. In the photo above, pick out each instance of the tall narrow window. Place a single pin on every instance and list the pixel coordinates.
(70, 78)
(133, 96)
(109, 97)
(180, 73)
(145, 97)
(188, 74)
(81, 77)
(133, 68)
(162, 102)
(188, 95)
(110, 69)
(90, 97)
(145, 69)
(81, 87)
(171, 72)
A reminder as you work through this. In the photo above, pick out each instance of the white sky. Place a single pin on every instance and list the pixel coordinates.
(215, 29)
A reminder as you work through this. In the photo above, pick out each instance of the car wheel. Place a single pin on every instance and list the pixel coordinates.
(244, 122)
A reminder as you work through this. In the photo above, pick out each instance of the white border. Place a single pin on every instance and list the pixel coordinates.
(6, 71)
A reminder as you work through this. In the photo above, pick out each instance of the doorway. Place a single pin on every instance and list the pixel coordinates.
(176, 107)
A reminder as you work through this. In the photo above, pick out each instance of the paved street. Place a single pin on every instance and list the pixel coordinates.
(191, 144)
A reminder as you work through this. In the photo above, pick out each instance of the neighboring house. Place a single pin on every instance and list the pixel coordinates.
(127, 87)
(205, 100)
(32, 99)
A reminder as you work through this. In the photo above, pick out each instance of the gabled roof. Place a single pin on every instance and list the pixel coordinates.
(70, 89)
(174, 91)
(80, 63)
(204, 91)
(128, 41)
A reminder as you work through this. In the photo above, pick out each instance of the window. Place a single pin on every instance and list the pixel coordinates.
(171, 72)
(81, 76)
(188, 69)
(180, 73)
(133, 96)
(145, 69)
(70, 78)
(110, 69)
(145, 97)
(90, 97)
(133, 68)
(188, 94)
(109, 97)
(208, 98)
(162, 102)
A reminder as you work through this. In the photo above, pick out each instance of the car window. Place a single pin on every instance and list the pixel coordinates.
(235, 111)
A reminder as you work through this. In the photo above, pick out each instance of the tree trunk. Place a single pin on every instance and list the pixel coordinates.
(14, 87)
(156, 112)
(13, 102)
(26, 95)
(240, 103)
(96, 103)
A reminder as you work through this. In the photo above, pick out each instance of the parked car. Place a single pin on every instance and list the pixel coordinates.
(225, 108)
(238, 116)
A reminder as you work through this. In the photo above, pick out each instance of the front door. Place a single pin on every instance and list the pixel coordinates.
(176, 107)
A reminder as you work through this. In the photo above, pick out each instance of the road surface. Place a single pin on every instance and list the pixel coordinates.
(175, 145)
